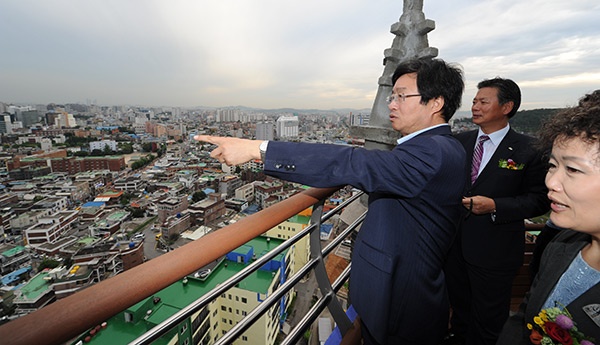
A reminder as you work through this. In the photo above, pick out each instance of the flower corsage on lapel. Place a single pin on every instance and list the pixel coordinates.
(510, 164)
(556, 326)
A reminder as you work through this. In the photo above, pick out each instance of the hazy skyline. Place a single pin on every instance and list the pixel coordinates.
(274, 54)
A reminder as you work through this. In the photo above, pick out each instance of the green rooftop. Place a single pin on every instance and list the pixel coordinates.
(118, 215)
(13, 251)
(299, 219)
(179, 295)
(36, 287)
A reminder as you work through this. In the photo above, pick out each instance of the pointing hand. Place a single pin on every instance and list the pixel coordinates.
(232, 151)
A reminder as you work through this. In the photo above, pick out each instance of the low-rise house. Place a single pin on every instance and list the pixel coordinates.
(171, 206)
(27, 219)
(110, 223)
(51, 228)
(13, 257)
(207, 210)
(130, 184)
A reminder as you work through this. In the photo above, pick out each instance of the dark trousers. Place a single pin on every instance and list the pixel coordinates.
(479, 298)
(368, 339)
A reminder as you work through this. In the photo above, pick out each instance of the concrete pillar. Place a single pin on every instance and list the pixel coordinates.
(410, 42)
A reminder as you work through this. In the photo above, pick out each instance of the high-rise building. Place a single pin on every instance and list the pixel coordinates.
(264, 131)
(359, 119)
(287, 126)
(5, 123)
(29, 118)
(228, 115)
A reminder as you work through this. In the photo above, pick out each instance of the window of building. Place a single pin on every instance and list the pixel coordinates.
(244, 338)
(244, 300)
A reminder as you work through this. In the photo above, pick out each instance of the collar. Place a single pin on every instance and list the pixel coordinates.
(495, 137)
(414, 134)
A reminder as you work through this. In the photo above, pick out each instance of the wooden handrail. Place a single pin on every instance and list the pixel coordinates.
(67, 318)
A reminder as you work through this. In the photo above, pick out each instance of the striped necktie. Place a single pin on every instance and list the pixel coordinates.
(477, 154)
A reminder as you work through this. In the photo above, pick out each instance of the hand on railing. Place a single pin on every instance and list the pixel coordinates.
(232, 151)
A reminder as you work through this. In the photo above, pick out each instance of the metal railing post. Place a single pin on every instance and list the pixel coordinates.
(334, 305)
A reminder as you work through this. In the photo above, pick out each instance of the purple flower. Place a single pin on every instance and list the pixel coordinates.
(564, 322)
(586, 342)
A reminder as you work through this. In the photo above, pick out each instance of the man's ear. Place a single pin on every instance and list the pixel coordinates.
(507, 107)
(437, 104)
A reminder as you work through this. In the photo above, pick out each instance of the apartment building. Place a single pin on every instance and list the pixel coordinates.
(52, 203)
(13, 258)
(110, 223)
(176, 224)
(207, 210)
(245, 192)
(50, 229)
(74, 165)
(171, 206)
(207, 325)
(290, 228)
(229, 184)
(264, 189)
(130, 184)
(27, 219)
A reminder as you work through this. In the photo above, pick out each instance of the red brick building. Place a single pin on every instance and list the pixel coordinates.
(74, 165)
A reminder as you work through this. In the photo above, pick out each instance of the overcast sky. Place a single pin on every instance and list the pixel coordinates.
(322, 54)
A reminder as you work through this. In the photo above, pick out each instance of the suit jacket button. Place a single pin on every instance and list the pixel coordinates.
(277, 166)
(293, 167)
(288, 167)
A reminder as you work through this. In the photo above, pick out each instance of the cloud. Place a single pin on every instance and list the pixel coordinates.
(271, 54)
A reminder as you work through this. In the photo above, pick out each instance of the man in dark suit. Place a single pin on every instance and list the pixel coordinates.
(397, 284)
(505, 186)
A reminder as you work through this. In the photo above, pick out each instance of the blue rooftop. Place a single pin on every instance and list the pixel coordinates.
(14, 275)
(93, 204)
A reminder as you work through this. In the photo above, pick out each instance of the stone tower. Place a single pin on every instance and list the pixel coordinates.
(410, 42)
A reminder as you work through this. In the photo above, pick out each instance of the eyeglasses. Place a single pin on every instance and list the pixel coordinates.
(395, 97)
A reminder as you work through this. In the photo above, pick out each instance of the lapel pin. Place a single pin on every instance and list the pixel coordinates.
(510, 148)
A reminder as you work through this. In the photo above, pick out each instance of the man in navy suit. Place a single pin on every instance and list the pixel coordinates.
(506, 187)
(397, 282)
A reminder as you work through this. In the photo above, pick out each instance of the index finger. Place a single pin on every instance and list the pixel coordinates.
(208, 138)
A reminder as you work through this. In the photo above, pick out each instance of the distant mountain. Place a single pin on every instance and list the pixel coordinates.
(300, 111)
(530, 121)
(462, 114)
(524, 121)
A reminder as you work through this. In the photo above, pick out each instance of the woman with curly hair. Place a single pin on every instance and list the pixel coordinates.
(563, 304)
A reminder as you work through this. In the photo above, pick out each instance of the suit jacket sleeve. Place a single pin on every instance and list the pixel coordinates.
(403, 171)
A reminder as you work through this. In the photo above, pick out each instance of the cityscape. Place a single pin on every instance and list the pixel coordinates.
(89, 191)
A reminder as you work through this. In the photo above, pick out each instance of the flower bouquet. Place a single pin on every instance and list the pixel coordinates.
(555, 326)
(510, 164)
